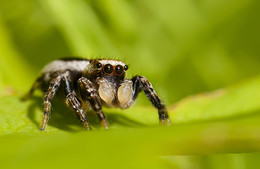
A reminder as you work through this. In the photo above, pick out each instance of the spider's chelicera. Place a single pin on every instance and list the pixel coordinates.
(94, 83)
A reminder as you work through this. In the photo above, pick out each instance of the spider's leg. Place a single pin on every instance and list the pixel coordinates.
(35, 85)
(74, 103)
(54, 85)
(141, 83)
(90, 94)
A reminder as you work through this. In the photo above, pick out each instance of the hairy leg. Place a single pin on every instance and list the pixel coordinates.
(54, 85)
(90, 94)
(74, 103)
(141, 83)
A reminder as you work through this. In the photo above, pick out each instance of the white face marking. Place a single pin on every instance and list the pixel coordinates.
(112, 62)
(60, 65)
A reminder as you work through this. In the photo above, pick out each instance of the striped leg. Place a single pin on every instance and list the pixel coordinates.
(71, 100)
(54, 85)
(74, 103)
(90, 94)
(141, 83)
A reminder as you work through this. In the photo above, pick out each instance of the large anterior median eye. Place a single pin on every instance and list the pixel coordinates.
(119, 69)
(108, 68)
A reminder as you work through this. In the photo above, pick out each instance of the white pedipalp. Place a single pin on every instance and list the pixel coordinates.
(125, 93)
(106, 91)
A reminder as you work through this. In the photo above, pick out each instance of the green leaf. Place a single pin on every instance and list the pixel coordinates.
(171, 37)
(138, 127)
(239, 99)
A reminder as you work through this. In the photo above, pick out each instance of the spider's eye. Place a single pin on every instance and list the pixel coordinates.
(108, 68)
(99, 65)
(126, 67)
(119, 69)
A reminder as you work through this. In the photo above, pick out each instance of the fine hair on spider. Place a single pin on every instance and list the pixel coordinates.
(93, 84)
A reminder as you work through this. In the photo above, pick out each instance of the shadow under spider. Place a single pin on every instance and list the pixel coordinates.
(65, 119)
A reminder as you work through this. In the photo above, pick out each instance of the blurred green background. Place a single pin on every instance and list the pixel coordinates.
(184, 47)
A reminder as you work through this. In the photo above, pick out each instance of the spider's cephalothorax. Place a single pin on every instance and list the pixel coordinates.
(94, 83)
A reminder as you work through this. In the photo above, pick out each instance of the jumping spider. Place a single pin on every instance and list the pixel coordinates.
(93, 83)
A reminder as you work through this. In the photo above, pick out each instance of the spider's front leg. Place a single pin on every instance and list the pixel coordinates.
(141, 83)
(74, 103)
(54, 85)
(90, 94)
(71, 100)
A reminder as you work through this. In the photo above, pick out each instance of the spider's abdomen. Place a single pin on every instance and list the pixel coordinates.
(54, 68)
(64, 65)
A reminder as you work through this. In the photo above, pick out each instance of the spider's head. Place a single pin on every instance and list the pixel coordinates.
(106, 68)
